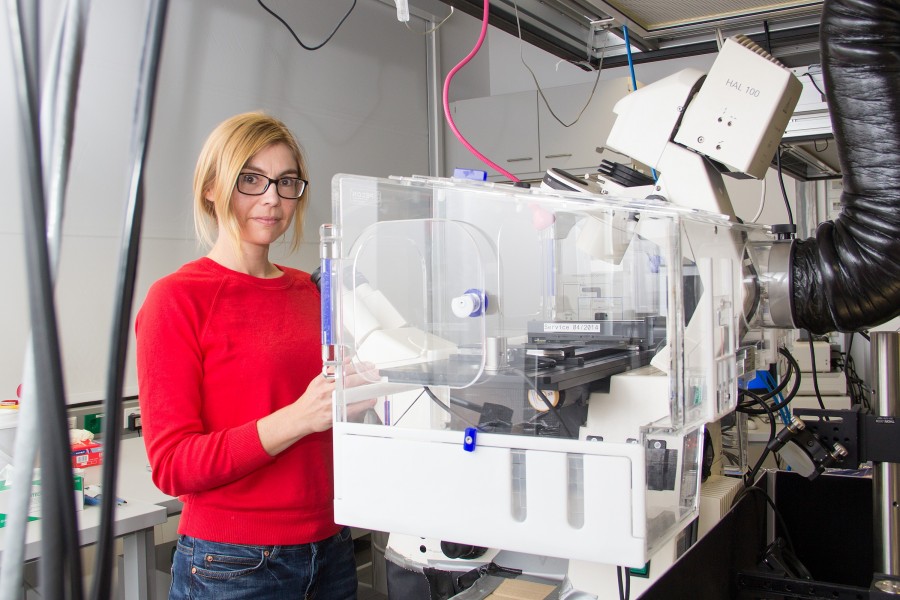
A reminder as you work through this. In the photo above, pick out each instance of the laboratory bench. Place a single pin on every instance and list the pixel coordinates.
(134, 523)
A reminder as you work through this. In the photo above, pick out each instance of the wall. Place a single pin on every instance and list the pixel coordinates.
(358, 105)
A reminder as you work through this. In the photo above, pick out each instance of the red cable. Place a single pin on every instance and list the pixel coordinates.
(474, 51)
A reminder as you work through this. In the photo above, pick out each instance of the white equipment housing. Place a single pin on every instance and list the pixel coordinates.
(547, 360)
(617, 459)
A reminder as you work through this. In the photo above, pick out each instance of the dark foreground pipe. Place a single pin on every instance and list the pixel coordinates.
(847, 277)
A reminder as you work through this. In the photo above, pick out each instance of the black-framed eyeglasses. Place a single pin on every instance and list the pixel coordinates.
(255, 184)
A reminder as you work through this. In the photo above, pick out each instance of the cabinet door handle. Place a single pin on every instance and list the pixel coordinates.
(519, 159)
(563, 155)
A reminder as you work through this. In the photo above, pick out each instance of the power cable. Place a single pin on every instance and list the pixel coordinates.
(815, 377)
(441, 403)
(433, 29)
(758, 490)
(299, 41)
(624, 589)
(815, 85)
(762, 202)
(750, 477)
(550, 406)
(793, 371)
(538, 85)
(787, 204)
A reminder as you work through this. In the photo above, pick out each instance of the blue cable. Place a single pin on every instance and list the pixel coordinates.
(784, 411)
(630, 61)
(631, 70)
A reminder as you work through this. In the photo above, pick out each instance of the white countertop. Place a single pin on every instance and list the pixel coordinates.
(130, 517)
(134, 481)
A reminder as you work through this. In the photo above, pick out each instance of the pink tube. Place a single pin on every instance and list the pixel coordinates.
(459, 136)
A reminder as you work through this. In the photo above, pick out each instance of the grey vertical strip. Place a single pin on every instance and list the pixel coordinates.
(575, 491)
(435, 104)
(518, 481)
(886, 478)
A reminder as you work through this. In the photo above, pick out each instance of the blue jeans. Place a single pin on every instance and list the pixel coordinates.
(324, 570)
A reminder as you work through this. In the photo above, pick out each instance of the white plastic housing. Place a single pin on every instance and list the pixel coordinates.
(573, 319)
(739, 115)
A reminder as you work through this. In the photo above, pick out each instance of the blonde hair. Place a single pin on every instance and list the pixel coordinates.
(227, 149)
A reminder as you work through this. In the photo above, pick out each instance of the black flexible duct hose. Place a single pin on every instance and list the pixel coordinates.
(847, 277)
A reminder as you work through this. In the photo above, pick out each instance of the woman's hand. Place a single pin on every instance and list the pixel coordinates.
(311, 412)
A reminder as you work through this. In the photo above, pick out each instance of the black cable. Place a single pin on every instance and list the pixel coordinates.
(859, 393)
(304, 46)
(750, 477)
(778, 150)
(815, 85)
(815, 377)
(793, 368)
(440, 403)
(60, 556)
(112, 404)
(758, 490)
(864, 335)
(538, 85)
(787, 204)
(849, 371)
(550, 406)
(624, 590)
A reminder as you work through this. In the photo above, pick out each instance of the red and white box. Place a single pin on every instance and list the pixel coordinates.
(87, 453)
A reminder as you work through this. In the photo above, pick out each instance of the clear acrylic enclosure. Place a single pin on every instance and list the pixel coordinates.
(523, 369)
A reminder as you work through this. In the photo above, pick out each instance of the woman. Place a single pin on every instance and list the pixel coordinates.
(236, 413)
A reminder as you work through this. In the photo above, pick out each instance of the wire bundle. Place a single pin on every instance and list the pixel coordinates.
(747, 401)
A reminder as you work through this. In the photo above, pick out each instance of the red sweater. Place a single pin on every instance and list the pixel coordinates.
(216, 351)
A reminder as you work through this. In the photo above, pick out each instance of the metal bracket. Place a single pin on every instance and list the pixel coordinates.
(866, 437)
(777, 586)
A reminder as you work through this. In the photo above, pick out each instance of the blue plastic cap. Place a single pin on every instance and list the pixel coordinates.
(482, 308)
(469, 439)
(473, 174)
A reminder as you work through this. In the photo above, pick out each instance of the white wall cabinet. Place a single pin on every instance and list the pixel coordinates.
(576, 147)
(503, 128)
(518, 132)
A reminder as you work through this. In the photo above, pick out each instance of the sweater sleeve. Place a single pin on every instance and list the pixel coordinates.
(184, 457)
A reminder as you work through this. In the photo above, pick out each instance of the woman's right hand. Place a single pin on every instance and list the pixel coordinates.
(314, 408)
(312, 412)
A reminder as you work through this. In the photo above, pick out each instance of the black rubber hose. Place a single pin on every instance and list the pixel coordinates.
(128, 259)
(60, 565)
(847, 277)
